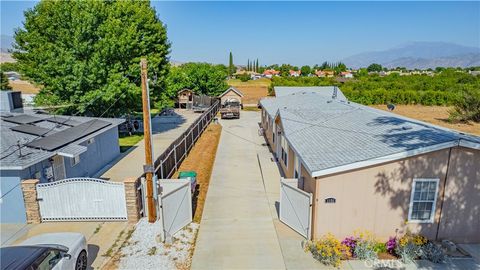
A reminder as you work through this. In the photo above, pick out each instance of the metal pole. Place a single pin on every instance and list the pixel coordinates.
(148, 168)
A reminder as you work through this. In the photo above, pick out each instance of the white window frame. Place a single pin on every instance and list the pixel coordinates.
(284, 148)
(410, 209)
(74, 161)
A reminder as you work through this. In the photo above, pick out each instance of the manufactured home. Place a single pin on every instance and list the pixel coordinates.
(370, 169)
(50, 148)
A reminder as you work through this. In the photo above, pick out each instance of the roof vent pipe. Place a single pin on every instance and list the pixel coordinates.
(335, 89)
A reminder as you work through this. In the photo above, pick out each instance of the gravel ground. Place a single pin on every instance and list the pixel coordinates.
(145, 252)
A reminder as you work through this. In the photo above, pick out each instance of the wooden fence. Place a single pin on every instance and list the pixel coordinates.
(169, 161)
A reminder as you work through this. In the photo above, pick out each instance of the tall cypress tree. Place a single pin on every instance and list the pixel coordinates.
(231, 68)
(256, 66)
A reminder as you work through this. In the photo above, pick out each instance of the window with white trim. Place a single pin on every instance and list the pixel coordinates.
(423, 199)
(284, 145)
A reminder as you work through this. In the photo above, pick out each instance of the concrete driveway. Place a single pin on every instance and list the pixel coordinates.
(237, 228)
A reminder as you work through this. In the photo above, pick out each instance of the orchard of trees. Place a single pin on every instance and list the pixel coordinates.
(446, 88)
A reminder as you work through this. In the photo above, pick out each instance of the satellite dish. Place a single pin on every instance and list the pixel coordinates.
(391, 107)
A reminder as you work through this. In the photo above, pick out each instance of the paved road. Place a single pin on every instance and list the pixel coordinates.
(237, 228)
(165, 130)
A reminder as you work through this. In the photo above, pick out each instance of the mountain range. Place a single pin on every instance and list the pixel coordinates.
(421, 55)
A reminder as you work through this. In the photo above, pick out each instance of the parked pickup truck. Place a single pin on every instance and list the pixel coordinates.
(230, 109)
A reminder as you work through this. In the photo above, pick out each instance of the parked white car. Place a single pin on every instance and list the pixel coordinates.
(47, 251)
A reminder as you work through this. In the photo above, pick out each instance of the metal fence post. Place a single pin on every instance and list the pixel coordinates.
(175, 155)
(161, 168)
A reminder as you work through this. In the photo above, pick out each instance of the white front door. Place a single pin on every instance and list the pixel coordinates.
(58, 168)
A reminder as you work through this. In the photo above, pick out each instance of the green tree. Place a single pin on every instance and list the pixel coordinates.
(305, 70)
(231, 67)
(4, 81)
(202, 78)
(375, 68)
(467, 106)
(87, 53)
(256, 66)
(248, 64)
(325, 65)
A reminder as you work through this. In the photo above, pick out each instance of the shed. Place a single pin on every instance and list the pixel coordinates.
(185, 98)
(231, 93)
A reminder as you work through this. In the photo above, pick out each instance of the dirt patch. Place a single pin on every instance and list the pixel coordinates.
(437, 115)
(253, 91)
(201, 159)
(24, 86)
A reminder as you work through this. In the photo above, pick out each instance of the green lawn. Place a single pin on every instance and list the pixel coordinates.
(126, 141)
(153, 112)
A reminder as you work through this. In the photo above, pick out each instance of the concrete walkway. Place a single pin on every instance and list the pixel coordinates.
(165, 130)
(237, 229)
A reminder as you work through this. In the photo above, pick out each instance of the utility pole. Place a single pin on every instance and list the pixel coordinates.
(148, 168)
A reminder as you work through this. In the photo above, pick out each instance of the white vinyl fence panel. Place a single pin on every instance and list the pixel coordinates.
(295, 207)
(82, 199)
(176, 205)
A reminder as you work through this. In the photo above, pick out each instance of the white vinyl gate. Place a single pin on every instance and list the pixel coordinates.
(295, 207)
(82, 199)
(176, 205)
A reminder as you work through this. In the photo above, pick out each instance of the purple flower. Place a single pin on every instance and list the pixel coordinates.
(351, 243)
(391, 244)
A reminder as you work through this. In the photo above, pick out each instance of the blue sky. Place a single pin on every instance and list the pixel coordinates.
(298, 32)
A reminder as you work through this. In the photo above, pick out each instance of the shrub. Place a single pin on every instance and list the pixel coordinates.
(328, 250)
(365, 246)
(409, 246)
(432, 252)
(380, 247)
(364, 250)
(244, 77)
(467, 107)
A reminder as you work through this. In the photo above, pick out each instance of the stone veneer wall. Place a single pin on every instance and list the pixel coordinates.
(132, 198)
(32, 209)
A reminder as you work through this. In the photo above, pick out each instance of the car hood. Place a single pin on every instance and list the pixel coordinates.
(69, 240)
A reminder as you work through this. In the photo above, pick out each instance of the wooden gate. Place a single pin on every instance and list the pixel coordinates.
(82, 199)
(295, 207)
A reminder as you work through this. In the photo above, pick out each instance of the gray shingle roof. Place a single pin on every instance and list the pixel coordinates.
(330, 133)
(327, 91)
(10, 158)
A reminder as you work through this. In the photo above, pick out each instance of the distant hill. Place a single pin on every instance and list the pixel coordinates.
(419, 55)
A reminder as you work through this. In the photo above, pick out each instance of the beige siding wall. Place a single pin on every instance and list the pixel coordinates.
(288, 171)
(377, 198)
(461, 208)
(231, 94)
(310, 185)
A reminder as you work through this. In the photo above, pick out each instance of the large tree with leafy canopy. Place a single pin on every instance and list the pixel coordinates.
(202, 78)
(86, 54)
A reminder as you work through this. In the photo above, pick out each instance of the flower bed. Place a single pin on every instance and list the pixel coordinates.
(365, 246)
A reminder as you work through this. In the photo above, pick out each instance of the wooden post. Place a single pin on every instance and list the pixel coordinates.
(148, 143)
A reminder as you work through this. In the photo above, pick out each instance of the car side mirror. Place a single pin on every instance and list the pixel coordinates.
(67, 256)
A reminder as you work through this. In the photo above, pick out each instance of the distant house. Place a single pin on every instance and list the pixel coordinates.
(231, 93)
(295, 73)
(325, 73)
(50, 148)
(374, 170)
(185, 98)
(346, 74)
(269, 73)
